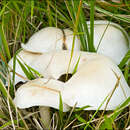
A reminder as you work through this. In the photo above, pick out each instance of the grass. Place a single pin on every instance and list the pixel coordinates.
(19, 20)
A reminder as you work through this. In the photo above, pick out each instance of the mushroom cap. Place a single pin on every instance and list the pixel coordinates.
(54, 64)
(50, 38)
(23, 56)
(32, 50)
(115, 42)
(40, 92)
(93, 81)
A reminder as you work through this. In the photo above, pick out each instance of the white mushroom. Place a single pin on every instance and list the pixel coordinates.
(93, 81)
(51, 38)
(112, 41)
(23, 56)
(40, 92)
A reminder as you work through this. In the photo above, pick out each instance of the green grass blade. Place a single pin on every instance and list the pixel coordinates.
(9, 123)
(70, 10)
(49, 14)
(88, 123)
(2, 88)
(31, 70)
(3, 65)
(91, 43)
(34, 71)
(77, 14)
(26, 72)
(85, 39)
(5, 44)
(102, 36)
(3, 8)
(80, 119)
(14, 65)
(126, 72)
(82, 108)
(124, 60)
(32, 9)
(76, 66)
(16, 7)
(73, 7)
(60, 14)
(61, 109)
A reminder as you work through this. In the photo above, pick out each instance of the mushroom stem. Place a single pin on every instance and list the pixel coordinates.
(45, 116)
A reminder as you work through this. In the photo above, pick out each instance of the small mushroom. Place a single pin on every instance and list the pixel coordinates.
(23, 56)
(110, 39)
(51, 38)
(40, 92)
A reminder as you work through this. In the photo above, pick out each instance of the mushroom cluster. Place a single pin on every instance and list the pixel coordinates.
(96, 79)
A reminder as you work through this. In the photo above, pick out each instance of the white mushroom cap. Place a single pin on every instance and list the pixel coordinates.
(40, 92)
(51, 38)
(22, 56)
(92, 82)
(115, 42)
(31, 49)
(54, 64)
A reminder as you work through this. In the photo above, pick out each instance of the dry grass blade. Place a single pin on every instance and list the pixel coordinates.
(37, 124)
(66, 126)
(116, 85)
(10, 112)
(7, 95)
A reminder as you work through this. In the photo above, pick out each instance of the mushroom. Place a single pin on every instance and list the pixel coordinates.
(51, 38)
(23, 56)
(94, 80)
(40, 92)
(110, 39)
